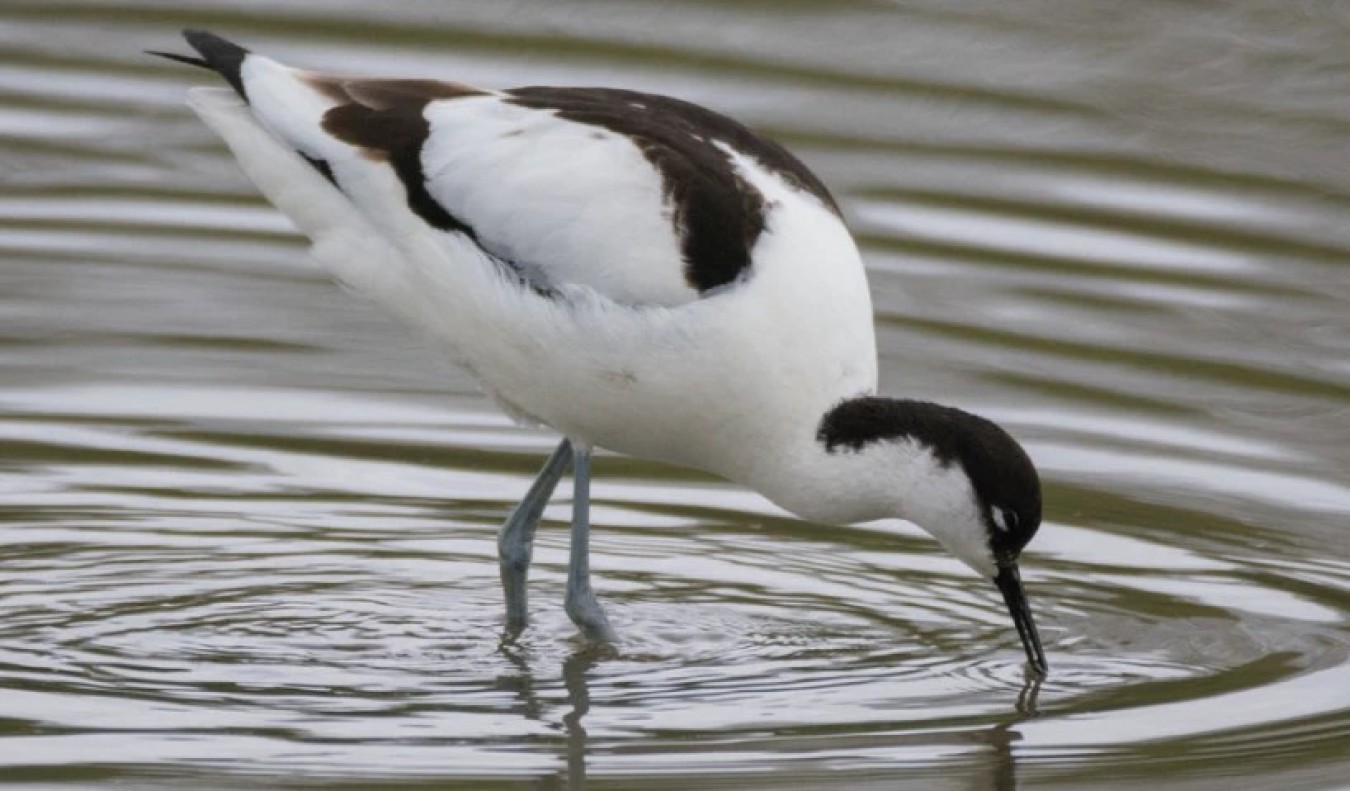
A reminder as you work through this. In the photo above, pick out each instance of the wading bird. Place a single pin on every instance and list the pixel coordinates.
(637, 273)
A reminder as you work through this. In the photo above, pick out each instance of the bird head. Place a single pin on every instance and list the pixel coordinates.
(961, 478)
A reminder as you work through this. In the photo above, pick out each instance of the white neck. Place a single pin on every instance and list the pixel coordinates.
(889, 478)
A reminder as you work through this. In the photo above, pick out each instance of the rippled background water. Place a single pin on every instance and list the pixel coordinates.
(248, 521)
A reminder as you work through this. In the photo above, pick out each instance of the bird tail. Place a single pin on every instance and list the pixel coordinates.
(348, 203)
(289, 103)
(275, 132)
(217, 54)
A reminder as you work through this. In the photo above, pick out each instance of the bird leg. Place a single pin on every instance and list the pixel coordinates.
(581, 605)
(515, 543)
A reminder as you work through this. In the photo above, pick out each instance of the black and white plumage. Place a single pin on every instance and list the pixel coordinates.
(636, 272)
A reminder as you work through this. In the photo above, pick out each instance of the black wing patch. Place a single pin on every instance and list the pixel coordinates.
(386, 118)
(717, 214)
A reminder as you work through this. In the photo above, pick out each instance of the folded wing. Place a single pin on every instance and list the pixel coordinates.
(632, 195)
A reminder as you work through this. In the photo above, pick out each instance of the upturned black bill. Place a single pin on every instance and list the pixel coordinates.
(1009, 582)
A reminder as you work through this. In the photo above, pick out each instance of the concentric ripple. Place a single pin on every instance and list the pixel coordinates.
(277, 596)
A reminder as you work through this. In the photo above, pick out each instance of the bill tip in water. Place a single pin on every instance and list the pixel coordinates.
(1009, 583)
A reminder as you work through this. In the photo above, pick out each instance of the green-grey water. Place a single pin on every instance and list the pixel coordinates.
(248, 521)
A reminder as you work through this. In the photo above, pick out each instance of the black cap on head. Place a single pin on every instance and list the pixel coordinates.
(1005, 481)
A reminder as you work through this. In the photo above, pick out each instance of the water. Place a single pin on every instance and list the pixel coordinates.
(248, 521)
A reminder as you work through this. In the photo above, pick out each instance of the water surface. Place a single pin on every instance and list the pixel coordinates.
(248, 521)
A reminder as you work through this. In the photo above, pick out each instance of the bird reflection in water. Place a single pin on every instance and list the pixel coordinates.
(525, 683)
(988, 765)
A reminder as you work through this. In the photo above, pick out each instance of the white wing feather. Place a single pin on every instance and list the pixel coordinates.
(616, 344)
(570, 202)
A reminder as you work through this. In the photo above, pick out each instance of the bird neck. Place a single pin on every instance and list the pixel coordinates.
(865, 460)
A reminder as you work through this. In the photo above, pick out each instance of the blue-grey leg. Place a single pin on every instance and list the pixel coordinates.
(581, 605)
(515, 543)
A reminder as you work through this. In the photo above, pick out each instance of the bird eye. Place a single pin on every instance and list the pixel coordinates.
(1005, 519)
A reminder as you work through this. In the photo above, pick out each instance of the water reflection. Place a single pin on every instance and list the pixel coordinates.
(986, 762)
(575, 671)
(576, 668)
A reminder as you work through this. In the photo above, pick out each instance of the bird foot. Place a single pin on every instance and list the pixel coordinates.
(585, 611)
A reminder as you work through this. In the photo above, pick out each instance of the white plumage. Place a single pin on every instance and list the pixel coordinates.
(542, 186)
(626, 356)
(635, 272)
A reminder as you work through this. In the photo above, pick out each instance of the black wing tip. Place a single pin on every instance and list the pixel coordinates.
(188, 59)
(217, 54)
(213, 47)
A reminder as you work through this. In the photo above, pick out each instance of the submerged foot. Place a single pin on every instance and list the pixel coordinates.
(585, 611)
